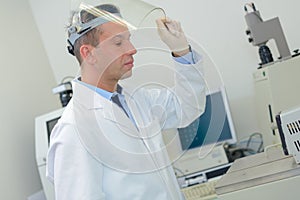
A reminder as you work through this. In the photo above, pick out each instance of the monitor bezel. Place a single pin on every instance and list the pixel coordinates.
(41, 134)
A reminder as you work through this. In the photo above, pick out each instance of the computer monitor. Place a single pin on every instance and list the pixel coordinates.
(212, 127)
(43, 127)
(198, 146)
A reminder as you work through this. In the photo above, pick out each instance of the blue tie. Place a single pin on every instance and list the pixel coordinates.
(119, 99)
(116, 100)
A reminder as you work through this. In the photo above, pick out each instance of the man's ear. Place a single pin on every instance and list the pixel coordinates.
(87, 54)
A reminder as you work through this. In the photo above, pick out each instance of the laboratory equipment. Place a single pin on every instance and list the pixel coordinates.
(273, 84)
(65, 92)
(43, 127)
(266, 175)
(260, 32)
(288, 123)
(275, 91)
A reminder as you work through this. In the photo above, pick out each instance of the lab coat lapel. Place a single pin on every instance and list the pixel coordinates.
(115, 114)
(139, 157)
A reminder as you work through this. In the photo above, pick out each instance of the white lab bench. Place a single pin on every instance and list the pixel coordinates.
(267, 175)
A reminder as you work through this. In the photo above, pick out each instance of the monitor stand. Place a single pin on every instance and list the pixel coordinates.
(200, 159)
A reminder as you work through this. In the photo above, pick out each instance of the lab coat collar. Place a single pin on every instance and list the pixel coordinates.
(86, 96)
(91, 100)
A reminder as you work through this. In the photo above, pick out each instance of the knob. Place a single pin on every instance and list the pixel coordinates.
(250, 40)
(248, 32)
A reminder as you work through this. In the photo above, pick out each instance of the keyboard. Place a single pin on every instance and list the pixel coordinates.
(202, 191)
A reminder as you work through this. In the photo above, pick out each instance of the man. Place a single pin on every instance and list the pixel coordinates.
(108, 144)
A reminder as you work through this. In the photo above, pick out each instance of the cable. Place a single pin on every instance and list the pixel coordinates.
(261, 141)
(250, 140)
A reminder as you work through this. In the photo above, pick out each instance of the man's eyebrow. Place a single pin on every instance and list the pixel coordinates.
(118, 36)
(122, 36)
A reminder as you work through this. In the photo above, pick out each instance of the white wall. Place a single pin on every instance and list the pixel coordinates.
(26, 83)
(52, 18)
(218, 25)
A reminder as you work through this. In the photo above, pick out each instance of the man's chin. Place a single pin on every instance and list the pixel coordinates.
(126, 75)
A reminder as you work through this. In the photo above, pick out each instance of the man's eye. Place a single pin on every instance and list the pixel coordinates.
(118, 43)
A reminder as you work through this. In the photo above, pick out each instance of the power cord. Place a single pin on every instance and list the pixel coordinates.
(235, 151)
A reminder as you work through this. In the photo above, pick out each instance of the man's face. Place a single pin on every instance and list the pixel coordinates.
(114, 54)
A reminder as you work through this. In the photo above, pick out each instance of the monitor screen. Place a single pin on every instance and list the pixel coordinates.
(50, 125)
(213, 126)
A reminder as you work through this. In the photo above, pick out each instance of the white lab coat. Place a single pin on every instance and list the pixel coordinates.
(97, 152)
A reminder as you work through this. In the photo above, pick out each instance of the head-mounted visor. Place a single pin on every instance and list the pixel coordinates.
(135, 14)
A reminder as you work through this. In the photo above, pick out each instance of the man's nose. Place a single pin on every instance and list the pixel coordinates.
(131, 49)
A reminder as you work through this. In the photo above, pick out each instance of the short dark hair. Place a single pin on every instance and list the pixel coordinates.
(91, 37)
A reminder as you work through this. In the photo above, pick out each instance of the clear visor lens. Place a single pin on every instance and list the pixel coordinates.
(134, 13)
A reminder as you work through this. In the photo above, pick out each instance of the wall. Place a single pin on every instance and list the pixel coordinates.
(219, 26)
(26, 83)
